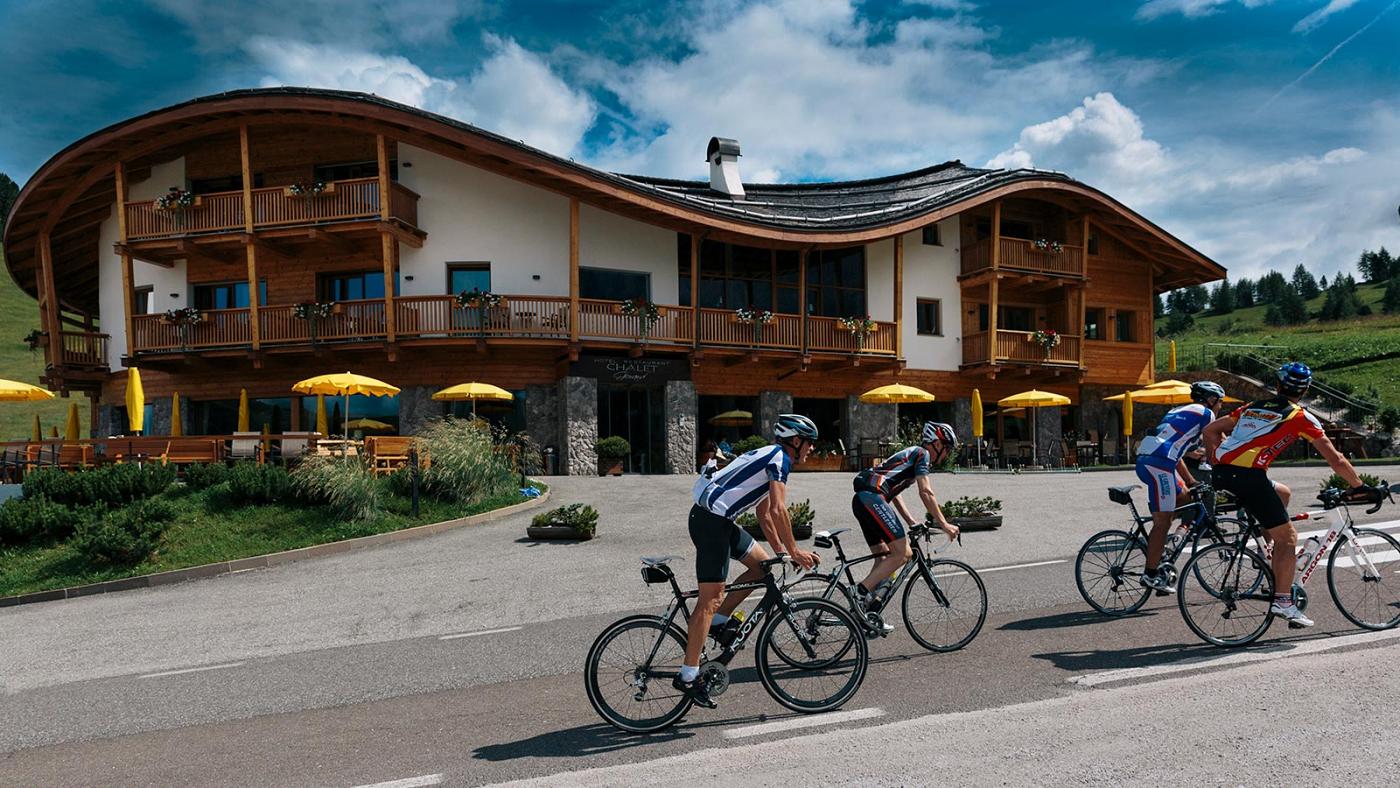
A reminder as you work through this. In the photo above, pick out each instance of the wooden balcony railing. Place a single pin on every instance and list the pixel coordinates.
(346, 200)
(1017, 347)
(84, 349)
(1020, 255)
(522, 316)
(826, 334)
(604, 320)
(723, 327)
(351, 320)
(216, 328)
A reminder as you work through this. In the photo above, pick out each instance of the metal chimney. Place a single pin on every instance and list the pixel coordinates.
(723, 156)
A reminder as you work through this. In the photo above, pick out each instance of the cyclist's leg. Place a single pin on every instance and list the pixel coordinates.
(709, 533)
(1261, 498)
(745, 549)
(1161, 502)
(881, 526)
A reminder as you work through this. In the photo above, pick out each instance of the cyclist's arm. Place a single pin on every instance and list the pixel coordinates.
(931, 506)
(1334, 458)
(903, 510)
(1215, 433)
(778, 517)
(1185, 473)
(767, 523)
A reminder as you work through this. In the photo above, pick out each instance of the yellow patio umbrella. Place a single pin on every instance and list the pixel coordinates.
(343, 384)
(977, 422)
(1128, 414)
(322, 426)
(370, 425)
(243, 421)
(474, 391)
(53, 430)
(15, 391)
(135, 401)
(1034, 400)
(72, 430)
(176, 430)
(37, 434)
(732, 418)
(1171, 357)
(896, 393)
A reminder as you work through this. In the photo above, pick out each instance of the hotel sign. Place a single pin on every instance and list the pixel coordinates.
(630, 371)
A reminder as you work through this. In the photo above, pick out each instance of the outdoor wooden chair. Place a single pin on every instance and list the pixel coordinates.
(246, 446)
(137, 449)
(388, 453)
(75, 456)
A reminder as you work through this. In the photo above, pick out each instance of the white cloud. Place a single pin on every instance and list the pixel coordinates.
(362, 24)
(513, 93)
(1191, 9)
(1310, 22)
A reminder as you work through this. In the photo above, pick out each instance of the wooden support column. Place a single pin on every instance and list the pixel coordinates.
(391, 264)
(802, 295)
(128, 283)
(49, 305)
(573, 270)
(695, 288)
(250, 249)
(247, 171)
(381, 146)
(995, 283)
(1083, 289)
(899, 296)
(254, 323)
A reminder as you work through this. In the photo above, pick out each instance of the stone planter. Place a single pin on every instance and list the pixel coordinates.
(988, 523)
(544, 532)
(609, 466)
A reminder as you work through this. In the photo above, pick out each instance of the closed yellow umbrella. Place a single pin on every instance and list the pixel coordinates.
(1034, 400)
(343, 385)
(135, 401)
(321, 425)
(72, 430)
(53, 430)
(176, 430)
(474, 391)
(37, 434)
(1171, 357)
(15, 391)
(896, 393)
(1128, 414)
(977, 422)
(243, 420)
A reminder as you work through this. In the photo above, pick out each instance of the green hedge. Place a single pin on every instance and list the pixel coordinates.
(112, 485)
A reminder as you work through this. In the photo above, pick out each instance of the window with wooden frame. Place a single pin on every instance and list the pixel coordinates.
(928, 314)
(1125, 326)
(613, 285)
(836, 282)
(732, 277)
(141, 300)
(466, 277)
(931, 237)
(353, 285)
(346, 170)
(225, 295)
(1093, 323)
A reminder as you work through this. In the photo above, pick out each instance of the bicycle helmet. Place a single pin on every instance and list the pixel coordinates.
(1203, 390)
(794, 425)
(1294, 378)
(938, 432)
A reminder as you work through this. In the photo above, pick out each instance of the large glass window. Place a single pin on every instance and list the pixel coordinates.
(610, 284)
(226, 295)
(1016, 318)
(930, 316)
(1124, 327)
(466, 277)
(732, 276)
(836, 282)
(1093, 323)
(355, 286)
(220, 417)
(363, 409)
(341, 171)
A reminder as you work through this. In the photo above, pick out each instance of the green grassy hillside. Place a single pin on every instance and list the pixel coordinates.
(19, 314)
(1348, 351)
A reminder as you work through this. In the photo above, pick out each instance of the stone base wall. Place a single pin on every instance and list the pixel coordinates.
(770, 405)
(416, 408)
(1048, 433)
(578, 416)
(682, 418)
(542, 415)
(962, 419)
(866, 421)
(106, 421)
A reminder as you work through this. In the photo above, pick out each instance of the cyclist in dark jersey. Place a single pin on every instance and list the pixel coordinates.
(1244, 445)
(877, 499)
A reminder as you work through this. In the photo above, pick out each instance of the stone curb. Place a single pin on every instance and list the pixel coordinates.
(269, 560)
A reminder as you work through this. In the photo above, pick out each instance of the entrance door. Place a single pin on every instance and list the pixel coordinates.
(637, 413)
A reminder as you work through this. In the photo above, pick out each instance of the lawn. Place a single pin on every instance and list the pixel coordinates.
(19, 314)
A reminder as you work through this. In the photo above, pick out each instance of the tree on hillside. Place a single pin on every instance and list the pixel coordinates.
(1342, 302)
(1271, 288)
(1244, 294)
(1288, 310)
(1323, 282)
(1305, 284)
(1390, 302)
(1377, 266)
(1222, 298)
(1158, 308)
(1198, 298)
(1177, 323)
(8, 192)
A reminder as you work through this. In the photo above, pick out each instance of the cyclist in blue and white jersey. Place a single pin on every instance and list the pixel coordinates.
(1160, 466)
(757, 478)
(877, 499)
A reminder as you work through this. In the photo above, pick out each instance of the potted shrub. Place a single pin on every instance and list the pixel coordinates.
(611, 453)
(749, 444)
(574, 521)
(973, 514)
(801, 515)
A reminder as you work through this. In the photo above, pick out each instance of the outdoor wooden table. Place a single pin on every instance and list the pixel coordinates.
(338, 447)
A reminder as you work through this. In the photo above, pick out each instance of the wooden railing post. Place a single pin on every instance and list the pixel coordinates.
(573, 272)
(49, 306)
(391, 263)
(899, 296)
(802, 296)
(1083, 290)
(250, 248)
(695, 288)
(996, 265)
(128, 308)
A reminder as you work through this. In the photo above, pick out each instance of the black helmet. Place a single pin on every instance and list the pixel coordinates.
(1203, 390)
(794, 425)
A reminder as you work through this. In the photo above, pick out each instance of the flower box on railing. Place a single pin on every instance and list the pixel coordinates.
(300, 190)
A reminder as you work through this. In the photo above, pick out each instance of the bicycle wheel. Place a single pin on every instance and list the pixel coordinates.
(628, 674)
(945, 605)
(814, 586)
(1107, 570)
(820, 630)
(1227, 533)
(1224, 595)
(1364, 577)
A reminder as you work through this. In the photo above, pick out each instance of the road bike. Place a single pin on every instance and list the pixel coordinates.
(811, 655)
(1227, 602)
(1111, 562)
(944, 603)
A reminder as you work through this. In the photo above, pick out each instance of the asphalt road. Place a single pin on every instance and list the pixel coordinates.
(460, 657)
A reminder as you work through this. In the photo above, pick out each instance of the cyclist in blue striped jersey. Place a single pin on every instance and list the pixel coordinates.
(757, 478)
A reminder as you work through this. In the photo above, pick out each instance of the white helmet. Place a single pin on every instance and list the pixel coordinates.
(938, 432)
(794, 425)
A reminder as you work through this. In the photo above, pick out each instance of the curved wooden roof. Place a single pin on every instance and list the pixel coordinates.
(73, 192)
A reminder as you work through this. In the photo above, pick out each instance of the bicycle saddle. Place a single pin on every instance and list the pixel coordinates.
(829, 534)
(660, 560)
(1122, 495)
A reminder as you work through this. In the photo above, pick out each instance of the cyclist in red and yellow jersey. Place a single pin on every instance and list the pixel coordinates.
(1245, 443)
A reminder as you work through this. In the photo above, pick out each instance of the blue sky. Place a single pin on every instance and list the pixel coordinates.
(1265, 132)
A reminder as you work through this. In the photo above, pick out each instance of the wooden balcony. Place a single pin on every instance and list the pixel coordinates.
(1023, 257)
(1016, 347)
(438, 317)
(84, 350)
(222, 212)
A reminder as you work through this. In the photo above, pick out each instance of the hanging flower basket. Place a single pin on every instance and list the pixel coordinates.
(313, 312)
(646, 312)
(1047, 338)
(176, 199)
(34, 339)
(302, 189)
(482, 299)
(860, 328)
(758, 318)
(1053, 247)
(187, 316)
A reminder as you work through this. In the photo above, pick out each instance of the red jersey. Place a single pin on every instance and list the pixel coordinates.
(1264, 430)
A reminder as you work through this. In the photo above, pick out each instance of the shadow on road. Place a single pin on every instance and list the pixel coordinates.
(1079, 618)
(1144, 656)
(600, 738)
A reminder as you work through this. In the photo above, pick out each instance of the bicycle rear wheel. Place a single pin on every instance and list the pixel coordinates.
(813, 659)
(945, 605)
(1364, 577)
(1107, 570)
(1227, 533)
(628, 674)
(1224, 595)
(814, 586)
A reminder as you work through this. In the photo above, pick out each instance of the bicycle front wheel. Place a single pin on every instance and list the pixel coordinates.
(1107, 571)
(628, 674)
(1224, 595)
(1363, 575)
(944, 605)
(813, 658)
(817, 585)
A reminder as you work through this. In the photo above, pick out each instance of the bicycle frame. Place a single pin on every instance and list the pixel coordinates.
(1206, 516)
(844, 564)
(1341, 523)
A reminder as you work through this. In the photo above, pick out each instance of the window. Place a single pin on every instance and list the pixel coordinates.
(1012, 228)
(1124, 328)
(341, 171)
(612, 285)
(228, 183)
(466, 277)
(1093, 243)
(141, 300)
(1016, 318)
(355, 286)
(1093, 324)
(738, 276)
(929, 314)
(836, 282)
(226, 295)
(931, 235)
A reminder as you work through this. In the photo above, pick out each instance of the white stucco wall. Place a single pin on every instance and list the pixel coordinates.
(879, 279)
(932, 272)
(163, 281)
(472, 215)
(607, 240)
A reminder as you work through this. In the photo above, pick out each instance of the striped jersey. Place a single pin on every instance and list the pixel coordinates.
(896, 473)
(1179, 430)
(743, 482)
(1265, 430)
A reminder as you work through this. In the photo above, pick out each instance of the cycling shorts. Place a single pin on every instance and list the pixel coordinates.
(1163, 485)
(878, 520)
(1255, 493)
(717, 539)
